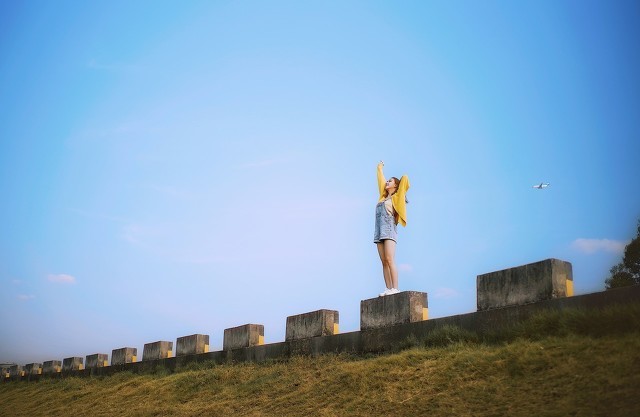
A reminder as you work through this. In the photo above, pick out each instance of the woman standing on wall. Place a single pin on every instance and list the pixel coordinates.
(390, 210)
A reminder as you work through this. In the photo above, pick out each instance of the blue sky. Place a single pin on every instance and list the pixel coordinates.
(171, 168)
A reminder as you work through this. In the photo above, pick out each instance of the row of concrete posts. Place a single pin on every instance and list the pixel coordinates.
(526, 284)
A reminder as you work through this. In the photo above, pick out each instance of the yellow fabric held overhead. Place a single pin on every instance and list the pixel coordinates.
(398, 199)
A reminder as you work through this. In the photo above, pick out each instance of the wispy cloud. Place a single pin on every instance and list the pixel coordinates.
(445, 293)
(26, 297)
(405, 268)
(590, 246)
(61, 278)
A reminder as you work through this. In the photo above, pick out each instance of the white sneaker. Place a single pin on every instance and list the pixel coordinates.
(386, 292)
(393, 291)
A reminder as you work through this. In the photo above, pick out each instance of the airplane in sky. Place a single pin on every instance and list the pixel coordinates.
(541, 185)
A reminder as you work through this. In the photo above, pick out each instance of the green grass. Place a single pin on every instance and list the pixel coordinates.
(573, 363)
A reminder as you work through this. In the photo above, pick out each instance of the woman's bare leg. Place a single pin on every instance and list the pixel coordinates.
(389, 254)
(386, 272)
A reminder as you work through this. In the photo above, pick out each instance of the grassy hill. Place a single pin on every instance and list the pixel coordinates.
(572, 363)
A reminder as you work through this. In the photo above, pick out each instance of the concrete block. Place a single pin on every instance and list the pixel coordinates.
(315, 323)
(33, 369)
(5, 372)
(539, 281)
(72, 364)
(157, 350)
(97, 360)
(400, 308)
(16, 371)
(51, 367)
(243, 336)
(124, 355)
(192, 345)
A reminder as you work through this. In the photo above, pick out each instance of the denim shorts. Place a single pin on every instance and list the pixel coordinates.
(385, 225)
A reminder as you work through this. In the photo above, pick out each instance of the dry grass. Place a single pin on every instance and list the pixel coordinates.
(572, 373)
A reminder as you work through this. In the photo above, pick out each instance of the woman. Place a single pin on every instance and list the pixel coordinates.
(390, 210)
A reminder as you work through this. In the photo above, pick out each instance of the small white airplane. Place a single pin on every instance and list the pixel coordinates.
(541, 185)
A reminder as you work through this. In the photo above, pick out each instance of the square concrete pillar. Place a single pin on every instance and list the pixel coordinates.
(16, 371)
(243, 336)
(124, 355)
(97, 360)
(51, 367)
(72, 364)
(157, 350)
(33, 369)
(399, 308)
(192, 345)
(544, 280)
(315, 323)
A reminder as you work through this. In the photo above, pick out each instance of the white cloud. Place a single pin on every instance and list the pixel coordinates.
(445, 293)
(61, 278)
(590, 246)
(405, 268)
(26, 297)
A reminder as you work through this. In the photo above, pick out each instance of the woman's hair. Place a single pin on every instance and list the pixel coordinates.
(397, 183)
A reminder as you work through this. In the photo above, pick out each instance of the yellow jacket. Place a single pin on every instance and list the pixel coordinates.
(398, 198)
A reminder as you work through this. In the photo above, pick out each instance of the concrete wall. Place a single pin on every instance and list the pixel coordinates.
(403, 307)
(51, 367)
(315, 323)
(124, 355)
(72, 364)
(97, 360)
(384, 339)
(192, 345)
(544, 280)
(157, 350)
(243, 336)
(387, 323)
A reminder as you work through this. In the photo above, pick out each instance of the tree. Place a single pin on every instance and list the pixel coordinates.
(627, 272)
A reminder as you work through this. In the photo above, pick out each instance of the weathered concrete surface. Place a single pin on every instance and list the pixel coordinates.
(16, 372)
(403, 307)
(385, 339)
(192, 345)
(539, 281)
(124, 355)
(97, 360)
(315, 323)
(51, 367)
(157, 350)
(32, 369)
(5, 372)
(72, 364)
(243, 336)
